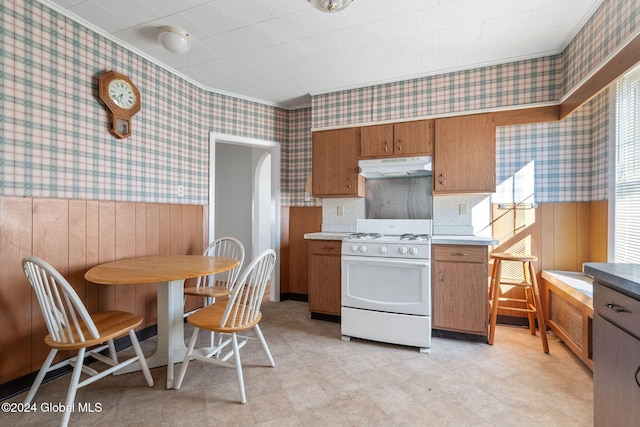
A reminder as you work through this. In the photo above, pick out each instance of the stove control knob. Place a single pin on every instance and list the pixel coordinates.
(383, 250)
(414, 251)
(403, 250)
(354, 248)
(364, 248)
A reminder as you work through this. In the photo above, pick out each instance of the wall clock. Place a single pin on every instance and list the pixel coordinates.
(122, 99)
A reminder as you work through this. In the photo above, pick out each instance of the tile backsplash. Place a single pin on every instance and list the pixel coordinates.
(452, 215)
(468, 215)
(341, 215)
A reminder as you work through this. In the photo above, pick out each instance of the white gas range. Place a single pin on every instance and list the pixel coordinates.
(386, 282)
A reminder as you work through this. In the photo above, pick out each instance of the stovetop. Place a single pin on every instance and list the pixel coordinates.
(406, 243)
(385, 238)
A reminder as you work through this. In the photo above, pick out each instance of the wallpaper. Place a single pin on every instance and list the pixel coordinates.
(517, 83)
(296, 155)
(54, 140)
(567, 161)
(555, 161)
(609, 27)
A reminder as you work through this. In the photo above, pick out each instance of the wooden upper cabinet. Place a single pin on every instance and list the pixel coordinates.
(335, 163)
(397, 140)
(465, 155)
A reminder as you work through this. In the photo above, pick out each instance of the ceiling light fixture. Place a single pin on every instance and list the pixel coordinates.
(330, 5)
(174, 39)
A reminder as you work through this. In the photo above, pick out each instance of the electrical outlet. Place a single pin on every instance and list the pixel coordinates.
(307, 196)
(180, 191)
(340, 210)
(462, 209)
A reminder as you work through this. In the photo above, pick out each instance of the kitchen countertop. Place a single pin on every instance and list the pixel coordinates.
(451, 239)
(326, 235)
(435, 239)
(624, 278)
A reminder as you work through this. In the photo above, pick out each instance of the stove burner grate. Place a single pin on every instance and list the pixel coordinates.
(410, 236)
(365, 236)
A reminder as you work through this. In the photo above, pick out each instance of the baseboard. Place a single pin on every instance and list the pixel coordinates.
(294, 297)
(458, 336)
(327, 317)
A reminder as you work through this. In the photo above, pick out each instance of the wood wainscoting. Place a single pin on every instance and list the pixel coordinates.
(562, 235)
(73, 236)
(296, 221)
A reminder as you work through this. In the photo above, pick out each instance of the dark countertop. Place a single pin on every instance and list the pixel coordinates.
(624, 278)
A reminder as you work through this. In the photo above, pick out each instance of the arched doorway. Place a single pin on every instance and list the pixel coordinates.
(244, 195)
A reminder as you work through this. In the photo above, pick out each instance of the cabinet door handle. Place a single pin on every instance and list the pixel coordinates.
(442, 275)
(441, 179)
(615, 308)
(459, 254)
(386, 147)
(349, 182)
(399, 146)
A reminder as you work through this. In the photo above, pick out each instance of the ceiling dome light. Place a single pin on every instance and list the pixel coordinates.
(174, 39)
(330, 5)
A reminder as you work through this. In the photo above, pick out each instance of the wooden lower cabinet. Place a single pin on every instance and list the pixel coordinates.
(324, 276)
(459, 290)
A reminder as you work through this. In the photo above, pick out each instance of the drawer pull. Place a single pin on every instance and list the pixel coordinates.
(459, 254)
(615, 308)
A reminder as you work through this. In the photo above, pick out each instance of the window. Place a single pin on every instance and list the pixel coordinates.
(627, 168)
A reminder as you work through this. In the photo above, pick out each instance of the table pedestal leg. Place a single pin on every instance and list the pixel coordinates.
(171, 348)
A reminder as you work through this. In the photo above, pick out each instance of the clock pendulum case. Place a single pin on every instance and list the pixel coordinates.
(122, 98)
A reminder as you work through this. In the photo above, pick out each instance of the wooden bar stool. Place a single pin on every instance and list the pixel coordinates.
(530, 304)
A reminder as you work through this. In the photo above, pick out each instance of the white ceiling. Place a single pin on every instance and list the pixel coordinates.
(281, 51)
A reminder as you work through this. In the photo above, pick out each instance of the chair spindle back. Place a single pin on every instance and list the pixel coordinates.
(64, 313)
(246, 296)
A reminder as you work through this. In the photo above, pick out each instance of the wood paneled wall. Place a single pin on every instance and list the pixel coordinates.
(296, 222)
(73, 236)
(562, 235)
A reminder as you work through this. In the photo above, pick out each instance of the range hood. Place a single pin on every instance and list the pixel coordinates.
(395, 167)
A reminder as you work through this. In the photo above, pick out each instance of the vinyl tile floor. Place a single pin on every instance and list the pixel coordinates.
(321, 380)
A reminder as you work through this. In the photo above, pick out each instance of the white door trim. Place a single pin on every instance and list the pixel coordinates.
(274, 149)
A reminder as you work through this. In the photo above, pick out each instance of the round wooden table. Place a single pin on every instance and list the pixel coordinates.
(169, 272)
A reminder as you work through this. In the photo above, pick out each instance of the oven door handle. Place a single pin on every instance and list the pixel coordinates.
(378, 260)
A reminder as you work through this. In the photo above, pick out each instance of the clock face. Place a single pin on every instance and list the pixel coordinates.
(122, 94)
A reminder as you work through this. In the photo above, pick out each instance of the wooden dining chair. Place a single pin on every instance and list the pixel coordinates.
(219, 285)
(240, 314)
(72, 328)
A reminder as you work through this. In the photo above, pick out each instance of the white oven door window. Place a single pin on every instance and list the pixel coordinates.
(386, 284)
